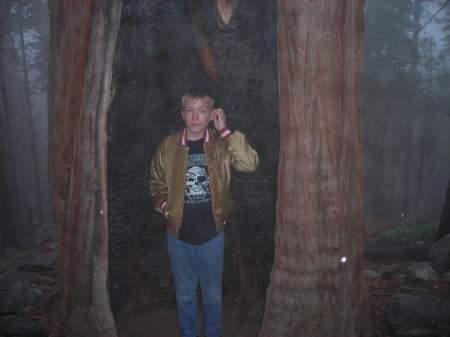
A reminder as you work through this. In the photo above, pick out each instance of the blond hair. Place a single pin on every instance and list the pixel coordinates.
(195, 95)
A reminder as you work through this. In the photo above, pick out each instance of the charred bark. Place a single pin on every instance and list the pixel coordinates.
(317, 285)
(83, 35)
(157, 60)
(204, 48)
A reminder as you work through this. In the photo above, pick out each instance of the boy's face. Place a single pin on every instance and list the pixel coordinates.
(197, 113)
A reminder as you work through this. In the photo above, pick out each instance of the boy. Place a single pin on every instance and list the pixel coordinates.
(190, 186)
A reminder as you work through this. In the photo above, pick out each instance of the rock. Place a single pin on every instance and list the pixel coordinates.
(446, 277)
(46, 233)
(18, 297)
(418, 315)
(440, 255)
(16, 326)
(371, 274)
(12, 277)
(52, 246)
(387, 275)
(418, 272)
(41, 262)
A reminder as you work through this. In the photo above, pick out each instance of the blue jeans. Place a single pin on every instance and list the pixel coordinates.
(193, 264)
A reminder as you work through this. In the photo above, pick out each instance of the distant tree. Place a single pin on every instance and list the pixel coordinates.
(30, 124)
(8, 235)
(30, 19)
(401, 103)
(443, 78)
(445, 22)
(444, 224)
(441, 100)
(433, 139)
(24, 36)
(11, 202)
(410, 173)
(386, 117)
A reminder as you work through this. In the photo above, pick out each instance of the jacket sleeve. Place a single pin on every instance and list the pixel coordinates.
(158, 185)
(244, 158)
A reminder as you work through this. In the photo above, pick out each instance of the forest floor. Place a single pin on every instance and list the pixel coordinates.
(244, 321)
(240, 319)
(381, 291)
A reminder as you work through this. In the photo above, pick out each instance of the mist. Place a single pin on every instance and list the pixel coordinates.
(405, 123)
(404, 103)
(24, 29)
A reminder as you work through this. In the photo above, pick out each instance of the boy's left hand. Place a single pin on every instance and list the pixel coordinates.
(219, 119)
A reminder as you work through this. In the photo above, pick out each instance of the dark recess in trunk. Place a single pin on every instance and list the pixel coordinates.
(156, 60)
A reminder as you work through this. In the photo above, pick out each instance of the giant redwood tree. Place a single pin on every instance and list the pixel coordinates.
(317, 285)
(83, 35)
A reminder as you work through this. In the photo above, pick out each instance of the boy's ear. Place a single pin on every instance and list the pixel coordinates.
(211, 118)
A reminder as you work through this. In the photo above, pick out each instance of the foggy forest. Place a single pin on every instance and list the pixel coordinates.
(54, 245)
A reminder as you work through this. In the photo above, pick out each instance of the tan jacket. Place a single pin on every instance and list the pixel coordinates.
(168, 173)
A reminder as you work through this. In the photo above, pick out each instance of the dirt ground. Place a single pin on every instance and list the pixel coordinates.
(164, 324)
(245, 321)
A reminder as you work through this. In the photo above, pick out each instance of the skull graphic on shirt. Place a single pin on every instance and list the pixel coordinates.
(197, 183)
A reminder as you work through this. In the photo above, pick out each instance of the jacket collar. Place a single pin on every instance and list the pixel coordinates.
(184, 141)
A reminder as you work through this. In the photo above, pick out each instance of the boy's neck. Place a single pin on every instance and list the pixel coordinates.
(193, 137)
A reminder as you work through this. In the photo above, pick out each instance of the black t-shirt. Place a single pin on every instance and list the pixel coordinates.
(198, 223)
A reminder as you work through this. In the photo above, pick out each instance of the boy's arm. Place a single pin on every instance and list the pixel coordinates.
(158, 186)
(244, 158)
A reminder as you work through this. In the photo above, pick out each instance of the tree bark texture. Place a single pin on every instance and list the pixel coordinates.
(83, 35)
(317, 285)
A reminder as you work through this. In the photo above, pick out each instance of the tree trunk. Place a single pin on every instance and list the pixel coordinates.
(83, 35)
(415, 40)
(30, 122)
(10, 193)
(317, 285)
(413, 123)
(444, 224)
(8, 234)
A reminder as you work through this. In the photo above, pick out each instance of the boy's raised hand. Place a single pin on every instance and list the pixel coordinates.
(219, 119)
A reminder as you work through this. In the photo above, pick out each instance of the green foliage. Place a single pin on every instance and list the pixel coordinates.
(403, 235)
